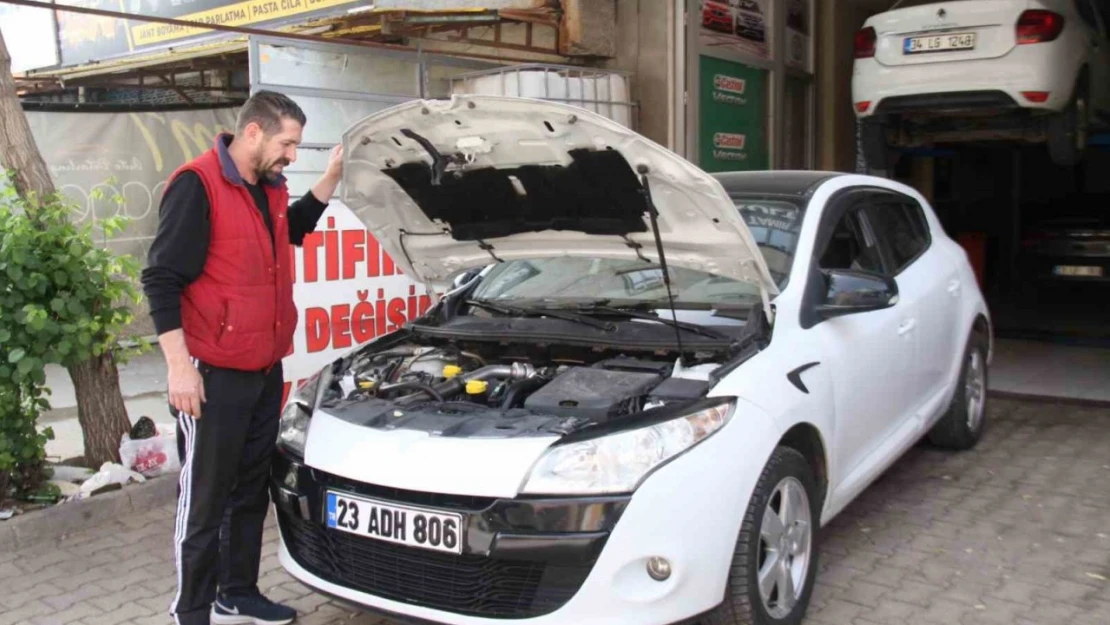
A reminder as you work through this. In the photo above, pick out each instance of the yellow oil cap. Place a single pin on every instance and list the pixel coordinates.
(366, 384)
(475, 387)
(450, 371)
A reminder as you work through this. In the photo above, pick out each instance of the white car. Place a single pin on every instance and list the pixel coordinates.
(971, 70)
(554, 442)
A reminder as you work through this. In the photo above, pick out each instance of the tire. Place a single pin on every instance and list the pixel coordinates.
(743, 602)
(876, 150)
(962, 426)
(1069, 131)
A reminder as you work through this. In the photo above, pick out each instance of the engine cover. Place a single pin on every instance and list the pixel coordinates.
(592, 393)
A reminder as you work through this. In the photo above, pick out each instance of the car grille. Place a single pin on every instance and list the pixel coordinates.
(464, 584)
(416, 498)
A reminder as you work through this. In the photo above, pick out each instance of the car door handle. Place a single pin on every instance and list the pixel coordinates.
(907, 325)
(954, 287)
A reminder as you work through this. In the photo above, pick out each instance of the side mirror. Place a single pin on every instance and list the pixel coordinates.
(463, 278)
(849, 292)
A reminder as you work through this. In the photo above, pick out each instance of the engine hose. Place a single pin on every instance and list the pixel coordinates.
(454, 386)
(418, 386)
(519, 388)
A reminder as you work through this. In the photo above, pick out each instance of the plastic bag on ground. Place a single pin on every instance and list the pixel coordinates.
(110, 473)
(152, 456)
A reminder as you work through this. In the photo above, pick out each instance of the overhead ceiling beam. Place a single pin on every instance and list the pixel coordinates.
(242, 30)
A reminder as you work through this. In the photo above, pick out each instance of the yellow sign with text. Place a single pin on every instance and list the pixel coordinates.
(238, 14)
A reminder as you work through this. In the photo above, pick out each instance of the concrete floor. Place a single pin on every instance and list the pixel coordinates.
(1039, 368)
(1015, 532)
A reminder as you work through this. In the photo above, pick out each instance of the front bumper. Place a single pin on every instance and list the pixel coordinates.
(521, 558)
(541, 561)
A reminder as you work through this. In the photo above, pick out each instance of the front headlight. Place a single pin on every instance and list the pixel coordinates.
(617, 463)
(293, 429)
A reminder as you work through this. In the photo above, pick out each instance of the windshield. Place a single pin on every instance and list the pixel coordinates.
(773, 222)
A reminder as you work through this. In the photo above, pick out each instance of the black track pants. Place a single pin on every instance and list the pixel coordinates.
(222, 494)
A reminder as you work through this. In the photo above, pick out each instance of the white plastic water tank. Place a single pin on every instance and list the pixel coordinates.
(604, 92)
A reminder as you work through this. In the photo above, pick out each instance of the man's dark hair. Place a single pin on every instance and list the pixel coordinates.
(267, 109)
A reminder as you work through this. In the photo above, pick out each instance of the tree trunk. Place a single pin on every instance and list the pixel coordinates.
(18, 151)
(100, 408)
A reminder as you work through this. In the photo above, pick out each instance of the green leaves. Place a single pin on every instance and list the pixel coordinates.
(63, 298)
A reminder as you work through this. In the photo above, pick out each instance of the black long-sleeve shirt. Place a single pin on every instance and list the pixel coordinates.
(180, 246)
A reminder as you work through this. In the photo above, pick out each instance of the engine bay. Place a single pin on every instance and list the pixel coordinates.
(496, 390)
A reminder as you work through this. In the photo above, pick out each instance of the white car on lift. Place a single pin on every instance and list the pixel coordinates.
(929, 71)
(645, 389)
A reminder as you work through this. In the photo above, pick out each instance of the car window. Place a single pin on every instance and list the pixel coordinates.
(852, 245)
(902, 227)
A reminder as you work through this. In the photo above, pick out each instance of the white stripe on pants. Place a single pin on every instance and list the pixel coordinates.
(185, 483)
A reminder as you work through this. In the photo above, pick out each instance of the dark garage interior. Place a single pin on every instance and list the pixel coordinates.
(1038, 236)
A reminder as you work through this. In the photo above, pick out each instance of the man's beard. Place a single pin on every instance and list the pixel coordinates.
(266, 171)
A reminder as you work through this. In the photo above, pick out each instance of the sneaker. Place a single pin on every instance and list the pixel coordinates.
(250, 610)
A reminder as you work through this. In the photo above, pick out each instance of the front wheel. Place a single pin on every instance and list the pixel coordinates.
(775, 560)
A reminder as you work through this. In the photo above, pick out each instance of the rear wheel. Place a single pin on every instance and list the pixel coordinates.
(1068, 130)
(961, 427)
(875, 148)
(775, 559)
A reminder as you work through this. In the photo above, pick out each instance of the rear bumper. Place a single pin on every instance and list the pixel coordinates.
(913, 88)
(1042, 268)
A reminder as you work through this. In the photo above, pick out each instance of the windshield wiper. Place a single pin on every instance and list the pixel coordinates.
(637, 311)
(521, 311)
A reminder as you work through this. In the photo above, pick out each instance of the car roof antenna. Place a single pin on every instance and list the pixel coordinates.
(654, 214)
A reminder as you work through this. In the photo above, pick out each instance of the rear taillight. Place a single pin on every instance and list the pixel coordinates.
(1037, 26)
(1037, 97)
(865, 43)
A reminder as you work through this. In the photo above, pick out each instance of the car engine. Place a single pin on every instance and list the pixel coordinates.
(450, 390)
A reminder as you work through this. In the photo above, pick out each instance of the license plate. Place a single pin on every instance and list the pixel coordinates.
(403, 525)
(1078, 271)
(939, 43)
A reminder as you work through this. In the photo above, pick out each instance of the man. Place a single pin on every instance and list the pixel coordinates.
(221, 297)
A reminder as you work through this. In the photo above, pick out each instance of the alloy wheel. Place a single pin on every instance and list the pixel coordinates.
(1081, 122)
(786, 543)
(975, 389)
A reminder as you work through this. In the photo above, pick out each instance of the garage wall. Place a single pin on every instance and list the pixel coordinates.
(837, 23)
(643, 48)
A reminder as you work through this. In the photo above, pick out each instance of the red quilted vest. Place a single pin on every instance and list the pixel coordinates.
(239, 314)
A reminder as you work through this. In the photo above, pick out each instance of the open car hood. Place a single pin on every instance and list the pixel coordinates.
(450, 185)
